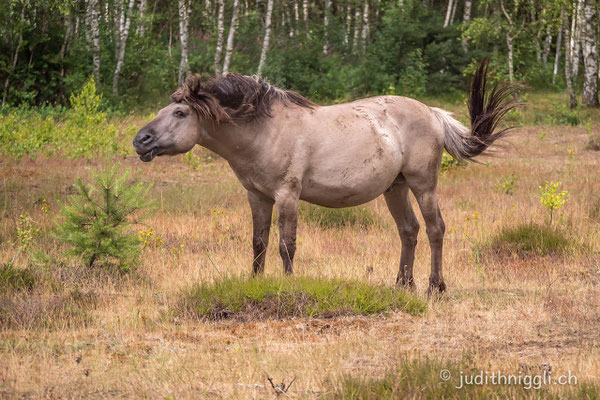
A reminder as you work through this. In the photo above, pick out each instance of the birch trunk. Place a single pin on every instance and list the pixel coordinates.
(67, 38)
(590, 54)
(231, 36)
(220, 34)
(568, 58)
(184, 19)
(365, 28)
(348, 24)
(141, 29)
(547, 44)
(15, 57)
(122, 46)
(356, 30)
(448, 13)
(326, 26)
(305, 10)
(466, 19)
(94, 15)
(576, 39)
(267, 38)
(454, 7)
(557, 54)
(509, 45)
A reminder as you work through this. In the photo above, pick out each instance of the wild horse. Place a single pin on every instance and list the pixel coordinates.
(283, 148)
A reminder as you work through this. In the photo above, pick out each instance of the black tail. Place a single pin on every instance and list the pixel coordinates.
(486, 109)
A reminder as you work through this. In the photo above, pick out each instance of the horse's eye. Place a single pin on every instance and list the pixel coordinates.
(179, 114)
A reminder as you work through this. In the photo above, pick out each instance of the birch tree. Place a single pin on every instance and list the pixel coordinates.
(558, 47)
(365, 27)
(141, 29)
(220, 34)
(466, 18)
(184, 19)
(448, 13)
(123, 34)
(267, 38)
(94, 10)
(576, 26)
(568, 59)
(511, 33)
(356, 35)
(589, 36)
(326, 26)
(231, 36)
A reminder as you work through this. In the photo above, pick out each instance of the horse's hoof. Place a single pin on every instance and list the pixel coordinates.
(436, 289)
(406, 284)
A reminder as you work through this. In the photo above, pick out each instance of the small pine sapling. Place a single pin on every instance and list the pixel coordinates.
(97, 221)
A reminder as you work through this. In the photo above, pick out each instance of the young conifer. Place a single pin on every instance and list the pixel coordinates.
(97, 221)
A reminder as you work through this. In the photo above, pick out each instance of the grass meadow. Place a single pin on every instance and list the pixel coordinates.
(523, 293)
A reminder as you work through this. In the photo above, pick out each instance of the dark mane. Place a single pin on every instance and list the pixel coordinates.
(234, 97)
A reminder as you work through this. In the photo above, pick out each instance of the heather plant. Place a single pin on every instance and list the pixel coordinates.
(97, 221)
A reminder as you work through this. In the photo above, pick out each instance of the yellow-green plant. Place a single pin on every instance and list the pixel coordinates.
(507, 184)
(27, 231)
(551, 198)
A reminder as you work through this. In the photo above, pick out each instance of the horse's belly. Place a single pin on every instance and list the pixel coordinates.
(346, 188)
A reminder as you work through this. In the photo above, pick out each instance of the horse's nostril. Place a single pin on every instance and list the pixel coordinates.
(146, 139)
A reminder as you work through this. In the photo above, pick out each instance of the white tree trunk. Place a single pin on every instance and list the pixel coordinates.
(231, 36)
(365, 28)
(220, 34)
(448, 13)
(454, 7)
(568, 70)
(547, 44)
(141, 29)
(184, 11)
(589, 35)
(305, 10)
(94, 16)
(576, 39)
(326, 26)
(466, 19)
(509, 45)
(356, 30)
(267, 38)
(557, 54)
(348, 23)
(122, 45)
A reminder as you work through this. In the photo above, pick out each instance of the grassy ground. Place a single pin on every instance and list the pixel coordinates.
(71, 332)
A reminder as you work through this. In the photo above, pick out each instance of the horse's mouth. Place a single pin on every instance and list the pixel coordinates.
(149, 156)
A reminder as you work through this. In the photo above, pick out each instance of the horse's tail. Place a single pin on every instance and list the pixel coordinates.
(486, 110)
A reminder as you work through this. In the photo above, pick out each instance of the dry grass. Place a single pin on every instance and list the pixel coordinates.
(499, 313)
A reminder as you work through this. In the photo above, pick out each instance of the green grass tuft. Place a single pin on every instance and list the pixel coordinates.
(337, 217)
(421, 379)
(16, 279)
(260, 298)
(531, 238)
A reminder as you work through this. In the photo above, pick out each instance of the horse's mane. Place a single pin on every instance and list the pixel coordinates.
(234, 97)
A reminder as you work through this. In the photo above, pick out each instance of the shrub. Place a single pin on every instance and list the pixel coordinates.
(449, 162)
(551, 198)
(337, 217)
(530, 238)
(257, 298)
(96, 223)
(507, 184)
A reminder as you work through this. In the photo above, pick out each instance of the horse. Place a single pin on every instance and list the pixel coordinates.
(284, 148)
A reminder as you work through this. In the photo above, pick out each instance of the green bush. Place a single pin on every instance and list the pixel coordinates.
(266, 297)
(449, 162)
(82, 131)
(531, 239)
(337, 217)
(96, 223)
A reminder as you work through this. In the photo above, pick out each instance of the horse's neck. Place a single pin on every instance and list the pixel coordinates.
(237, 143)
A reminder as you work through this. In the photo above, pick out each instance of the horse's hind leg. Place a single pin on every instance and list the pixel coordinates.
(396, 198)
(424, 187)
(262, 209)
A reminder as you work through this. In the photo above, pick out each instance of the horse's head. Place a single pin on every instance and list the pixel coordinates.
(175, 130)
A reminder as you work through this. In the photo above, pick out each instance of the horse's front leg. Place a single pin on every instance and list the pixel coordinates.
(262, 209)
(287, 207)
